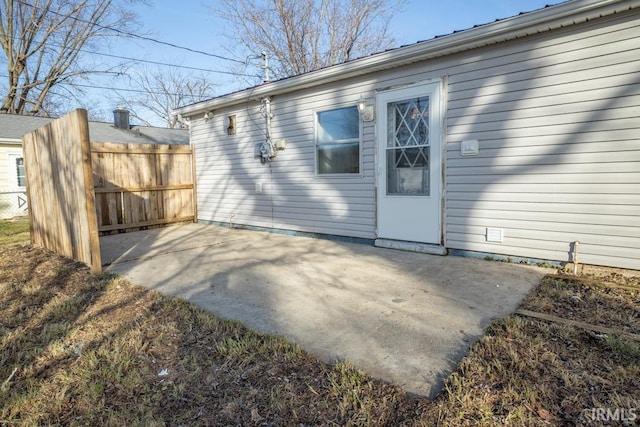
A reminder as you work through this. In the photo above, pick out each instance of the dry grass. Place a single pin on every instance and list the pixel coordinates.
(13, 232)
(592, 304)
(530, 372)
(79, 349)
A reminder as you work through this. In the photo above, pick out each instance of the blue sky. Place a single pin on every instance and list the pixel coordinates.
(191, 23)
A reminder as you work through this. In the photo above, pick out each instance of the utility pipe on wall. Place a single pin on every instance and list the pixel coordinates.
(265, 58)
(575, 257)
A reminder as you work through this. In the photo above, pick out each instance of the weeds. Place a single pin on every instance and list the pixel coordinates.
(629, 350)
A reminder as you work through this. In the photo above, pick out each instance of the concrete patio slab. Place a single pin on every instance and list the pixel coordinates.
(407, 318)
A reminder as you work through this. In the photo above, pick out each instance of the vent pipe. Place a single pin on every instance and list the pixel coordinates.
(121, 118)
(265, 58)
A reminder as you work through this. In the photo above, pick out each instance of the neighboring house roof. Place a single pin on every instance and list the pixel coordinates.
(106, 132)
(551, 17)
(13, 127)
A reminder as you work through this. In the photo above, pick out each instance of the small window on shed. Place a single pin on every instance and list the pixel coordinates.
(338, 141)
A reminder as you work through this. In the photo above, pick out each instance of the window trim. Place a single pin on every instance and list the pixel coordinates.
(316, 144)
(12, 171)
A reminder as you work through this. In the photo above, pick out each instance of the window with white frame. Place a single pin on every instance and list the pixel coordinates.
(338, 141)
(21, 177)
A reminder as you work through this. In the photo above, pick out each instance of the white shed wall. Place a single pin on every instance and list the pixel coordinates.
(557, 119)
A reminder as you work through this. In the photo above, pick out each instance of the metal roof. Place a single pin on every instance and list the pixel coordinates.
(550, 17)
(13, 127)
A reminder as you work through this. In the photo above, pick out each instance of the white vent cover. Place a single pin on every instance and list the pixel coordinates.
(495, 235)
(469, 148)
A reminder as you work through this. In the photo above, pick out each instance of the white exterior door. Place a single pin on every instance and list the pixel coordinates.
(409, 164)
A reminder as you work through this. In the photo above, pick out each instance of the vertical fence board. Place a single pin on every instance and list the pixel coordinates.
(60, 188)
(151, 184)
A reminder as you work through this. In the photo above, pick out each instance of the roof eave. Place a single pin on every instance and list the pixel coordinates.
(557, 16)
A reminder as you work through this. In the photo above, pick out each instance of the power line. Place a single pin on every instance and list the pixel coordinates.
(167, 64)
(118, 89)
(138, 36)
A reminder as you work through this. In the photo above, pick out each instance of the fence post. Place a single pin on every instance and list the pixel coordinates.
(89, 193)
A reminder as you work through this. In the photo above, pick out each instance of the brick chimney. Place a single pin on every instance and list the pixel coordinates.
(121, 118)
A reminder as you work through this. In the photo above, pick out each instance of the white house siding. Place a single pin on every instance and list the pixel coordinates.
(292, 196)
(11, 202)
(556, 115)
(4, 165)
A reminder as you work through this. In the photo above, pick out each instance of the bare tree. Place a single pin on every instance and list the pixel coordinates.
(164, 91)
(42, 42)
(304, 35)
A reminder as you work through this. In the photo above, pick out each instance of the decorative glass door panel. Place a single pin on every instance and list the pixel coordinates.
(408, 147)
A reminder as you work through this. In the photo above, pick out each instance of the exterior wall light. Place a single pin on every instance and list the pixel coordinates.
(366, 111)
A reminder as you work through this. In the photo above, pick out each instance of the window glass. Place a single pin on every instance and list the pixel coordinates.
(408, 147)
(22, 178)
(339, 158)
(338, 125)
(338, 141)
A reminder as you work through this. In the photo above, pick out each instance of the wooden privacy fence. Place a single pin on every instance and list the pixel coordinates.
(62, 212)
(77, 189)
(140, 185)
